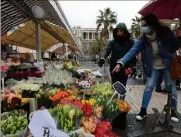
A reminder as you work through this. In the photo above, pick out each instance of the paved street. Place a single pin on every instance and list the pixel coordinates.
(158, 100)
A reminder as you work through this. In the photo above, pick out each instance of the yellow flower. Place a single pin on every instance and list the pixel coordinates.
(83, 101)
(92, 101)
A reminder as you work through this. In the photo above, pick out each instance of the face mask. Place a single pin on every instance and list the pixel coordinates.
(146, 30)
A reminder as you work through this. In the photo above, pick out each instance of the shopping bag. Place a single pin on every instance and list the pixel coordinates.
(42, 124)
(175, 71)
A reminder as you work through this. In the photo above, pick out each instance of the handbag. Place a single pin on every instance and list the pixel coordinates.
(175, 72)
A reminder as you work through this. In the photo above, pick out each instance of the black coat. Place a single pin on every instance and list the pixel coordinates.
(117, 50)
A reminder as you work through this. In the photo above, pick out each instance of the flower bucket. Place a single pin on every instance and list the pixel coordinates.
(120, 121)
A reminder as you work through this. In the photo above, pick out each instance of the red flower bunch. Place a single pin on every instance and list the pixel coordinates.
(128, 71)
(77, 103)
(103, 129)
(87, 109)
(4, 68)
(65, 101)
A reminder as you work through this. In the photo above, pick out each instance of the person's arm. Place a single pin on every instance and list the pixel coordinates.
(137, 47)
(106, 54)
(132, 62)
(108, 50)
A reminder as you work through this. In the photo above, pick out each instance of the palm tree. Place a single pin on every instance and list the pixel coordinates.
(135, 27)
(97, 46)
(107, 18)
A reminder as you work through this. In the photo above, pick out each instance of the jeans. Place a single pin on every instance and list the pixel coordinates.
(159, 81)
(151, 83)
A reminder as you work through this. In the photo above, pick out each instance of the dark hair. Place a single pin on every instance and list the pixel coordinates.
(161, 32)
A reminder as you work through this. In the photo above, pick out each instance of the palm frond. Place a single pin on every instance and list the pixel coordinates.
(100, 17)
(98, 26)
(101, 12)
(133, 20)
(113, 21)
(107, 11)
(99, 21)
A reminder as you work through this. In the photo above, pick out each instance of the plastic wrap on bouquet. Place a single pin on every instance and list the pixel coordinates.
(80, 131)
(33, 104)
(105, 71)
(40, 65)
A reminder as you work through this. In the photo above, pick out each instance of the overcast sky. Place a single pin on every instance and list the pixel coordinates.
(84, 13)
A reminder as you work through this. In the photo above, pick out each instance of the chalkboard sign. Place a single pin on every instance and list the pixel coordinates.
(119, 88)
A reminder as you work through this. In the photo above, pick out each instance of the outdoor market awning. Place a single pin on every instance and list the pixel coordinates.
(50, 35)
(15, 12)
(59, 32)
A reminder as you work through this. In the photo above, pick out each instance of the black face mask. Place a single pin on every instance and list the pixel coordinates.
(123, 38)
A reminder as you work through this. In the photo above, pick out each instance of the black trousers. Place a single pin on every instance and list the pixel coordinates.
(119, 76)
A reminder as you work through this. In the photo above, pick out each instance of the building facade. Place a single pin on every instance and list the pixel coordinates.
(85, 38)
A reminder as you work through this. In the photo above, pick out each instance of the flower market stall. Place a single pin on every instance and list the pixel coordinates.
(76, 99)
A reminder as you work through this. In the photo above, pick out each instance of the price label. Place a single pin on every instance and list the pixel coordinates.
(3, 75)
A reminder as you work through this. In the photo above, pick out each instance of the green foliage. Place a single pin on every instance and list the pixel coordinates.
(135, 27)
(97, 46)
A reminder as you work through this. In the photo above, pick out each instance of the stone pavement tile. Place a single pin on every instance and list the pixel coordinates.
(158, 100)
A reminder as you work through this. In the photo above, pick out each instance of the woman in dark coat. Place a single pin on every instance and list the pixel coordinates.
(117, 48)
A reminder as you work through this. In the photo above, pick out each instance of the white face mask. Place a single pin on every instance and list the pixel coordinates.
(146, 30)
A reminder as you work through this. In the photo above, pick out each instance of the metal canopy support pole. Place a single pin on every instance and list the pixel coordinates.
(66, 51)
(63, 49)
(180, 29)
(38, 41)
(0, 76)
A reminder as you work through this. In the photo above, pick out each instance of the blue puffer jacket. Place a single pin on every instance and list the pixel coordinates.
(144, 46)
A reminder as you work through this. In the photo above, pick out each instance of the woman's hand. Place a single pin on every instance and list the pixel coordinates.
(178, 33)
(117, 68)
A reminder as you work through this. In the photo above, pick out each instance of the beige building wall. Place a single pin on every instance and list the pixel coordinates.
(86, 36)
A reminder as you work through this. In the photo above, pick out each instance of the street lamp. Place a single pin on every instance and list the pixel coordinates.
(38, 12)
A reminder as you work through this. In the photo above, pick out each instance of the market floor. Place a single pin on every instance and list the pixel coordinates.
(133, 125)
(134, 98)
(158, 100)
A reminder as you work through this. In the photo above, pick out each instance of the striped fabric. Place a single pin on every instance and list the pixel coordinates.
(16, 12)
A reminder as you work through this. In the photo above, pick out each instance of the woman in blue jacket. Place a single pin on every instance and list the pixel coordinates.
(158, 45)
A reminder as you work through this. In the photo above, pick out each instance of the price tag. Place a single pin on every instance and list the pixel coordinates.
(3, 75)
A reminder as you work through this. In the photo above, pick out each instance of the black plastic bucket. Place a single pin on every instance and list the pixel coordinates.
(120, 121)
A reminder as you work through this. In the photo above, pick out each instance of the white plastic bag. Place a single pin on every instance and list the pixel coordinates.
(42, 124)
(102, 72)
